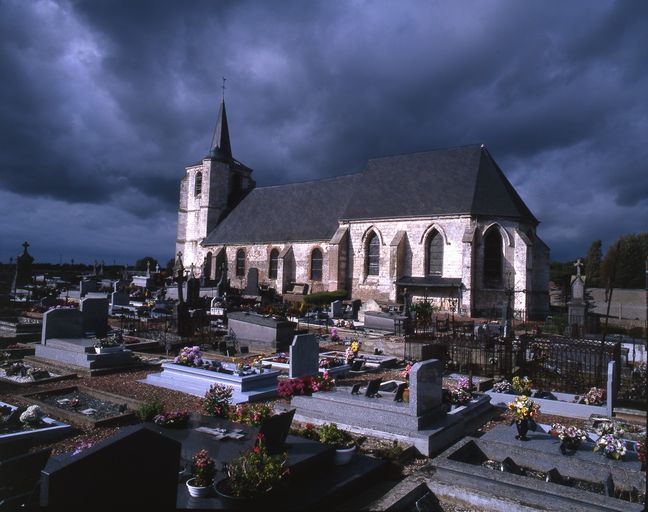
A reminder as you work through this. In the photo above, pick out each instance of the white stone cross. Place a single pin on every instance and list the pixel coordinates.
(578, 266)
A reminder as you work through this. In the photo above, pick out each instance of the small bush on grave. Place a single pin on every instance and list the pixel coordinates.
(250, 414)
(322, 298)
(151, 408)
(218, 400)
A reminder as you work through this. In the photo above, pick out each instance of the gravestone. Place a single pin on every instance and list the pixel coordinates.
(426, 379)
(183, 319)
(49, 302)
(119, 299)
(252, 286)
(120, 285)
(275, 430)
(336, 309)
(193, 292)
(116, 473)
(372, 388)
(23, 274)
(577, 305)
(87, 285)
(94, 316)
(61, 323)
(304, 356)
(369, 305)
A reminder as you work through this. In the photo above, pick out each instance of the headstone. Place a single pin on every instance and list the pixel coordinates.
(400, 390)
(426, 379)
(369, 305)
(193, 292)
(275, 430)
(183, 319)
(94, 316)
(49, 302)
(87, 285)
(119, 299)
(252, 286)
(355, 390)
(120, 285)
(336, 309)
(61, 323)
(372, 388)
(304, 356)
(23, 268)
(114, 472)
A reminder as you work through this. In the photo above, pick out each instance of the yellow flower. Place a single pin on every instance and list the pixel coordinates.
(523, 397)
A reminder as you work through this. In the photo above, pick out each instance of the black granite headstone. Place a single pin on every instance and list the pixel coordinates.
(275, 431)
(193, 292)
(355, 390)
(183, 319)
(137, 469)
(19, 475)
(399, 392)
(372, 388)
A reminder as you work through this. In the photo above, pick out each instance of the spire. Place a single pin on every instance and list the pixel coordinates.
(220, 145)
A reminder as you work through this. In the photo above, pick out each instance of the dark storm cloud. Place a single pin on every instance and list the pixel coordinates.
(103, 103)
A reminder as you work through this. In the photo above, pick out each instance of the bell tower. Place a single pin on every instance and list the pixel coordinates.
(209, 191)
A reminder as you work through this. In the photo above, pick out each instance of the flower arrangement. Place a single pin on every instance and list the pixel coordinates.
(330, 433)
(190, 356)
(203, 469)
(298, 386)
(503, 386)
(611, 446)
(522, 386)
(523, 408)
(406, 371)
(114, 340)
(595, 396)
(217, 400)
(16, 369)
(355, 347)
(568, 434)
(349, 355)
(309, 431)
(82, 446)
(609, 427)
(456, 395)
(254, 472)
(32, 416)
(250, 414)
(281, 357)
(334, 335)
(173, 419)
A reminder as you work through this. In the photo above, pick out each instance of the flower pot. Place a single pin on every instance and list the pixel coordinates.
(343, 455)
(197, 492)
(238, 502)
(522, 428)
(568, 447)
(108, 350)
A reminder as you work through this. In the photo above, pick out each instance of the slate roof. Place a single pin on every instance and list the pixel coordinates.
(462, 180)
(297, 212)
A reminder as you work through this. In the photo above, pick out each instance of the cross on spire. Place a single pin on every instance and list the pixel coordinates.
(578, 266)
(25, 245)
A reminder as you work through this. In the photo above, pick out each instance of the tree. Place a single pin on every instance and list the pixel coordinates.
(141, 264)
(625, 261)
(593, 264)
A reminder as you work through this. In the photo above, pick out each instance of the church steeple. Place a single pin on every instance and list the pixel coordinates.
(220, 145)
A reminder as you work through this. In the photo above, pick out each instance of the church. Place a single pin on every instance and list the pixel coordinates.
(444, 225)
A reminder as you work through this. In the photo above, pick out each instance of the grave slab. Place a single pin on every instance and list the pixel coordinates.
(54, 430)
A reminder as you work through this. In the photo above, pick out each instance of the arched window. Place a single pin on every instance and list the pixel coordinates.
(240, 262)
(373, 255)
(274, 263)
(198, 184)
(493, 259)
(435, 254)
(316, 265)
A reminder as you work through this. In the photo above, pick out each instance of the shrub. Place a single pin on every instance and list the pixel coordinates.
(250, 414)
(217, 400)
(332, 434)
(321, 298)
(150, 409)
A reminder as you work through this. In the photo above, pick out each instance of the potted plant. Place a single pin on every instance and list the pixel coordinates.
(252, 475)
(344, 444)
(523, 410)
(173, 419)
(570, 437)
(203, 471)
(217, 400)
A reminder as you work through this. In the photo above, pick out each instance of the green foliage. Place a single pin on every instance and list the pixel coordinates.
(332, 434)
(593, 264)
(625, 262)
(150, 409)
(141, 264)
(321, 298)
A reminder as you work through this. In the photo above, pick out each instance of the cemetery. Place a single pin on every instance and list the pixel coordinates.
(368, 407)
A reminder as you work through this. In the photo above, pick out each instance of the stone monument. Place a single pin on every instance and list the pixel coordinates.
(576, 307)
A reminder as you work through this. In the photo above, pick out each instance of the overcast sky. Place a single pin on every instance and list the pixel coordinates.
(103, 104)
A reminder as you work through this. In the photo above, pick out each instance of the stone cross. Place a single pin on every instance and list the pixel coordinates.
(148, 268)
(25, 245)
(578, 266)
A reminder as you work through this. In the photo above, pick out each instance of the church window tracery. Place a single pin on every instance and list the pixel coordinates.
(493, 258)
(435, 254)
(373, 255)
